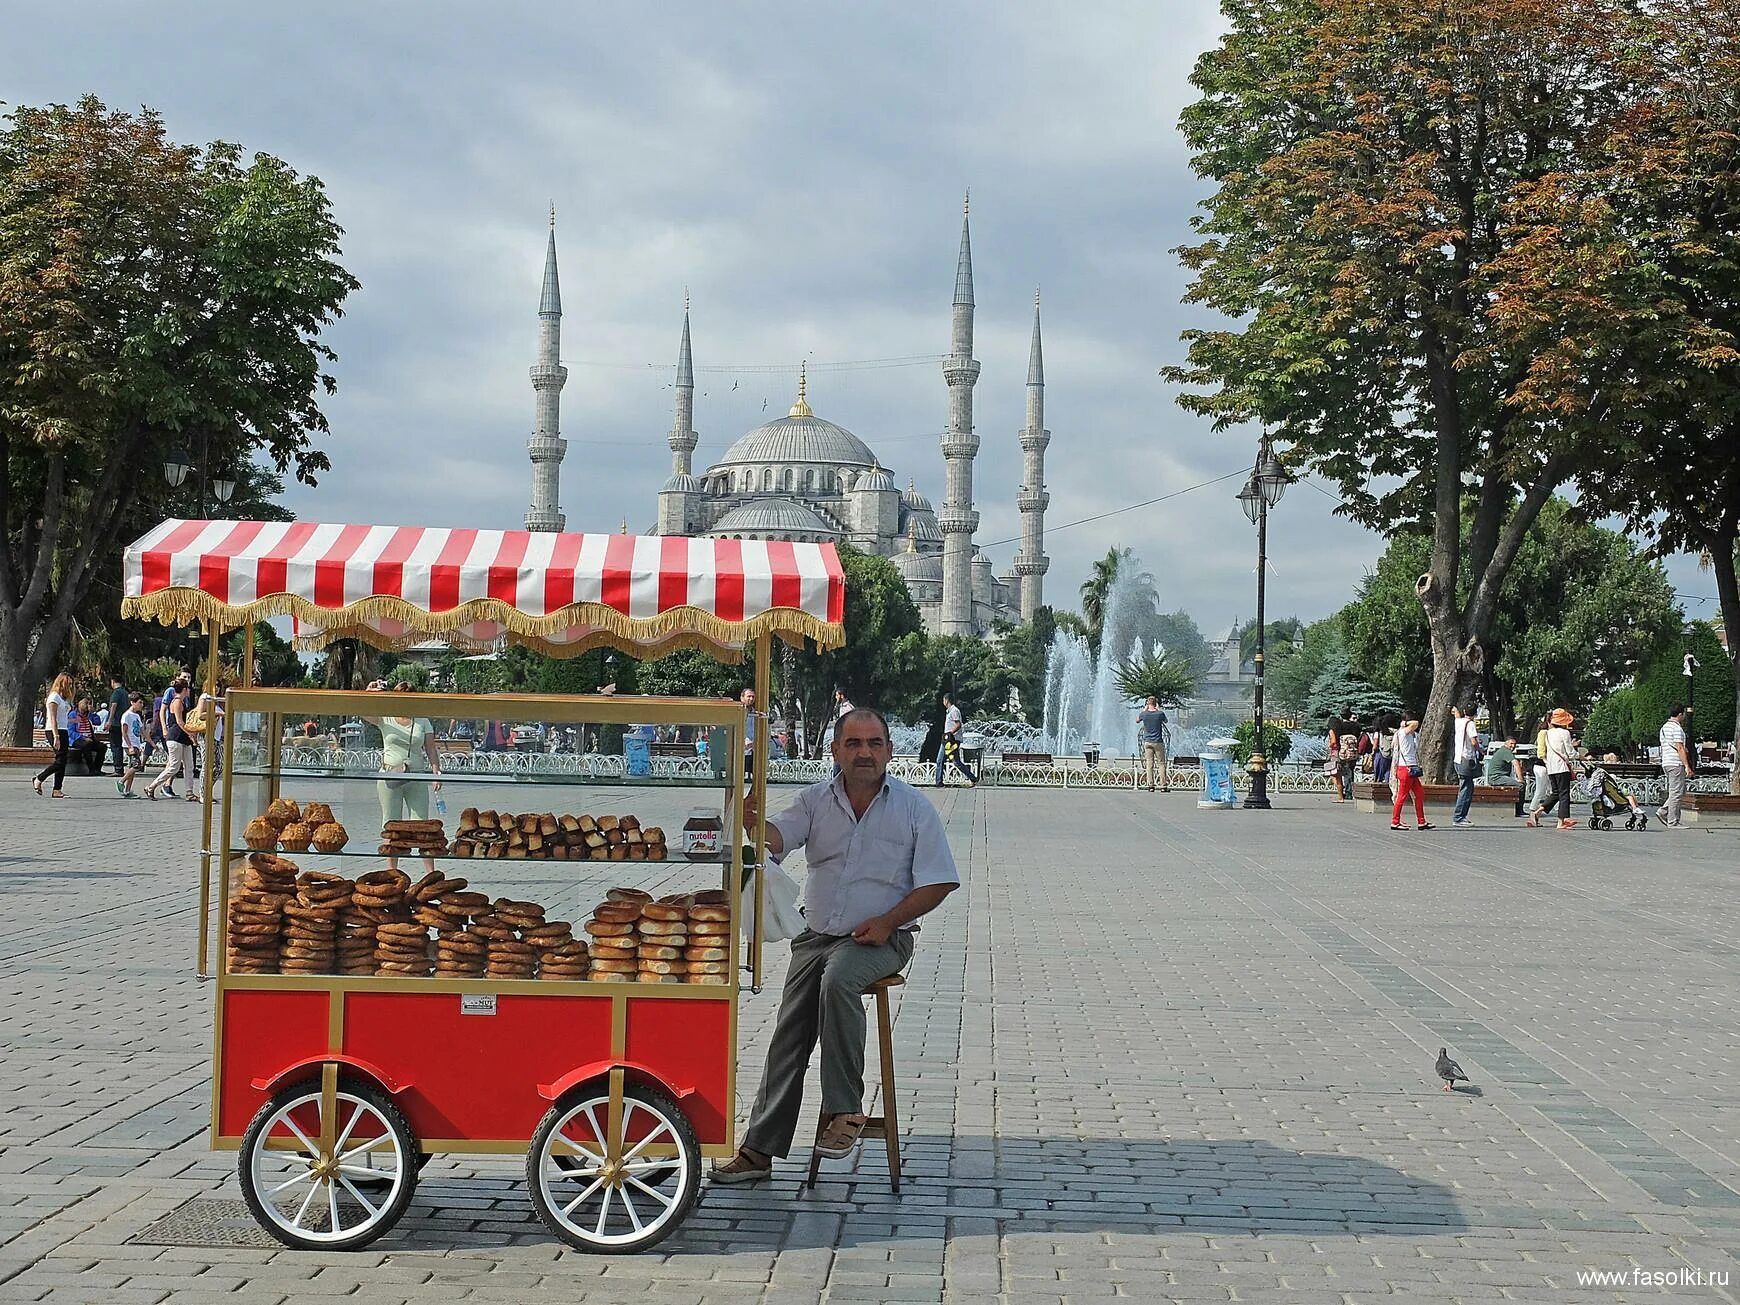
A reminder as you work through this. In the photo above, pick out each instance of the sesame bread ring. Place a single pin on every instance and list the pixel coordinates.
(647, 953)
(381, 881)
(706, 914)
(609, 929)
(605, 965)
(663, 911)
(628, 895)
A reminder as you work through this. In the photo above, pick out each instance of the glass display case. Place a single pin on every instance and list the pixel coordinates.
(504, 838)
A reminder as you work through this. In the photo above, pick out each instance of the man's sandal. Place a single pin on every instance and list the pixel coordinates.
(740, 1169)
(840, 1136)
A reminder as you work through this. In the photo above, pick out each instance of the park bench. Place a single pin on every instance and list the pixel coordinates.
(1030, 758)
(456, 747)
(681, 751)
(1381, 798)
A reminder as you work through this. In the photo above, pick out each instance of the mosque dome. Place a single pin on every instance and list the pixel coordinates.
(913, 501)
(799, 437)
(918, 566)
(875, 479)
(681, 484)
(773, 518)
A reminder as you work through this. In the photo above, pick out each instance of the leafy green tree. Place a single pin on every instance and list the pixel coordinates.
(1654, 231)
(1288, 682)
(883, 659)
(153, 293)
(1278, 639)
(1096, 593)
(1178, 633)
(1581, 608)
(1277, 742)
(276, 664)
(1024, 650)
(1161, 675)
(1337, 690)
(1610, 727)
(691, 673)
(1662, 683)
(1367, 155)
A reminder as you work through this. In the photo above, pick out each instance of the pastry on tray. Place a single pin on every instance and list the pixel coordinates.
(260, 834)
(330, 837)
(282, 812)
(295, 836)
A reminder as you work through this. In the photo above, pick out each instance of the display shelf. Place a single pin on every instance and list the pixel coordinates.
(467, 777)
(351, 851)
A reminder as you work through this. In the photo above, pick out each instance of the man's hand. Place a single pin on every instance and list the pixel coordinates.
(873, 933)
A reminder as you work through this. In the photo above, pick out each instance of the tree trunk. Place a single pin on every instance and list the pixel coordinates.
(1458, 671)
(1726, 567)
(26, 671)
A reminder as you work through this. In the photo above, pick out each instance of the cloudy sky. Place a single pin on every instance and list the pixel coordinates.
(798, 171)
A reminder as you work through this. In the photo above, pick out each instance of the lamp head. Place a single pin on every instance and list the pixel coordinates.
(1251, 500)
(176, 467)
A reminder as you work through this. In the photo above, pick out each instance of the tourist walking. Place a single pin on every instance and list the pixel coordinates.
(118, 698)
(1467, 762)
(1408, 773)
(56, 714)
(950, 752)
(1561, 767)
(178, 702)
(1676, 764)
(1383, 744)
(1347, 754)
(1151, 728)
(132, 745)
(878, 859)
(1333, 765)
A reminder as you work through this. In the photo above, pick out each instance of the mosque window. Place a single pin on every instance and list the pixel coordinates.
(788, 479)
(810, 479)
(767, 477)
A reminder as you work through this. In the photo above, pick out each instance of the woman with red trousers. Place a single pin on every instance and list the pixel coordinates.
(1407, 762)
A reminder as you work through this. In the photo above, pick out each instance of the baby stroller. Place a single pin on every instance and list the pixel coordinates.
(1606, 799)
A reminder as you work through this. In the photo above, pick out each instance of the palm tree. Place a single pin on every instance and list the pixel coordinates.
(1098, 588)
(1161, 675)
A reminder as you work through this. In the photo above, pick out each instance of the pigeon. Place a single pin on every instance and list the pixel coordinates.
(1450, 1071)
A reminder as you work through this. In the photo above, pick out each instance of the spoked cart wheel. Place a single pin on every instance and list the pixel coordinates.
(614, 1192)
(314, 1194)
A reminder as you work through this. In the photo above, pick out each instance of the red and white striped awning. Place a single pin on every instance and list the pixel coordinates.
(393, 586)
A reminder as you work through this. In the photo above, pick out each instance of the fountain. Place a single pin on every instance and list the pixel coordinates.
(1082, 701)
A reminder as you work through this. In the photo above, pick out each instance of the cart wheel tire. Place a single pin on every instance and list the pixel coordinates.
(1607, 824)
(309, 1211)
(644, 1201)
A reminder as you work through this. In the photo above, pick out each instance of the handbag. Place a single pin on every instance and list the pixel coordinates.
(195, 722)
(399, 769)
(1467, 768)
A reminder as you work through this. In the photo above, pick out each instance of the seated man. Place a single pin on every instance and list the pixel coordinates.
(878, 859)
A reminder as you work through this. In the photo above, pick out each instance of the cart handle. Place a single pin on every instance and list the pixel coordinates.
(598, 1068)
(394, 1086)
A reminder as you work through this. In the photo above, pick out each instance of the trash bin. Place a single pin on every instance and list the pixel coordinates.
(972, 750)
(1217, 785)
(637, 752)
(1090, 753)
(718, 751)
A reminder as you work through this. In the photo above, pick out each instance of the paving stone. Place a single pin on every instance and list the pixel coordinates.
(1146, 1050)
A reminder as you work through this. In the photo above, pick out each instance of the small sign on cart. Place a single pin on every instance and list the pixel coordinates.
(477, 1003)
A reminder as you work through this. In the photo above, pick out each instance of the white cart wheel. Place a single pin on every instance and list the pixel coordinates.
(614, 1195)
(313, 1198)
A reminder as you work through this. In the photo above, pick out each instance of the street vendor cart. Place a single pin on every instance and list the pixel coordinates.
(424, 946)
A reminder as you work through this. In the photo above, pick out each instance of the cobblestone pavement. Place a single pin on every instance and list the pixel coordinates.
(1147, 1052)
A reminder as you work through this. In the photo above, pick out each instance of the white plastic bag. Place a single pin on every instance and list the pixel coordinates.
(780, 917)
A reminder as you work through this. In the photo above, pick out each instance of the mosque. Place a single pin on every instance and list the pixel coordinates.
(802, 477)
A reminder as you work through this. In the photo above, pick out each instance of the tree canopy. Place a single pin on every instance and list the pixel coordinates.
(155, 294)
(1580, 610)
(1368, 158)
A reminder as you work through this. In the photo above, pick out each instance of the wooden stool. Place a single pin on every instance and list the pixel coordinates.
(887, 1122)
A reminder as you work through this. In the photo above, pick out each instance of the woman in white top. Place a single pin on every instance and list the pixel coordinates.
(1560, 767)
(54, 717)
(402, 739)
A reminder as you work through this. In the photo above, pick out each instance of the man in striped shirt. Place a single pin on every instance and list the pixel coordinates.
(1676, 764)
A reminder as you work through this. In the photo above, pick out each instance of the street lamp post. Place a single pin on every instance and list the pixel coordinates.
(1261, 492)
(179, 465)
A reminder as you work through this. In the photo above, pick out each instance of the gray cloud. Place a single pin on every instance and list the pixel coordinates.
(798, 169)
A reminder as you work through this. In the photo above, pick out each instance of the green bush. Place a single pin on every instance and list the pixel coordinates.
(1610, 726)
(1661, 684)
(1277, 742)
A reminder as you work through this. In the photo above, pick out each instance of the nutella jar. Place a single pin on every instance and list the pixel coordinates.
(703, 835)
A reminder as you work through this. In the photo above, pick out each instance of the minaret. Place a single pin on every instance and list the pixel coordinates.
(1031, 563)
(547, 446)
(682, 438)
(957, 518)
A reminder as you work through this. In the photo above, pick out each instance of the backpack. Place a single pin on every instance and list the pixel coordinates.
(1348, 748)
